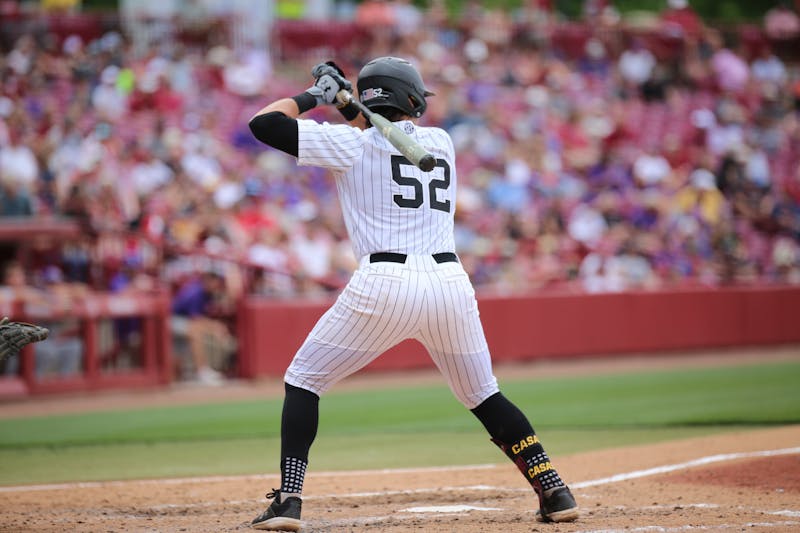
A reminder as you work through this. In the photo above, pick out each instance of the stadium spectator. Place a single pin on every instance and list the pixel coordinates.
(651, 168)
(730, 68)
(378, 20)
(312, 244)
(701, 199)
(378, 14)
(616, 271)
(725, 128)
(14, 200)
(270, 250)
(245, 73)
(782, 22)
(636, 65)
(679, 19)
(768, 68)
(197, 309)
(19, 167)
(592, 9)
(108, 99)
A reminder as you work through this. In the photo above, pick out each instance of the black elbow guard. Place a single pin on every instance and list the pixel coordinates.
(277, 130)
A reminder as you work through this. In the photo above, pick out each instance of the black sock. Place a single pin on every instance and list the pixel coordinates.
(299, 422)
(513, 433)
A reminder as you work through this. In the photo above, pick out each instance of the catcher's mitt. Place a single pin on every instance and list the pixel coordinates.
(15, 335)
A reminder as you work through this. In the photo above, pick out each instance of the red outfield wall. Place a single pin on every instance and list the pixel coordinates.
(555, 325)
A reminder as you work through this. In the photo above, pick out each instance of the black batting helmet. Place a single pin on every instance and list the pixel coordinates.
(392, 82)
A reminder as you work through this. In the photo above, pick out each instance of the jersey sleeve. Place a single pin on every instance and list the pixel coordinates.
(451, 150)
(333, 146)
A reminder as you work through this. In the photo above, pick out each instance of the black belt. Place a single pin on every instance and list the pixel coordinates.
(391, 257)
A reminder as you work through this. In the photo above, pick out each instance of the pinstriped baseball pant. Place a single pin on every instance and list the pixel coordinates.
(385, 303)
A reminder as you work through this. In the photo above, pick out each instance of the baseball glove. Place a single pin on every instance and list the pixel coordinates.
(15, 335)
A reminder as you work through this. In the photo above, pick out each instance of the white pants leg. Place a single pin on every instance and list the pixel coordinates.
(386, 303)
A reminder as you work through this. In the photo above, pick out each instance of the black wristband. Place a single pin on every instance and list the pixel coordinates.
(305, 102)
(349, 111)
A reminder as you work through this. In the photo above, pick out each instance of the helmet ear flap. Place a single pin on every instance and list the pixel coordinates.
(415, 106)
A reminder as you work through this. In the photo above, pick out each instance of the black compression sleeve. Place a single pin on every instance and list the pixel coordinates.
(276, 130)
(299, 421)
(502, 419)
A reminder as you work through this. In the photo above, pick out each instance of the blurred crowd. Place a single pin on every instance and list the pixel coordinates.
(624, 164)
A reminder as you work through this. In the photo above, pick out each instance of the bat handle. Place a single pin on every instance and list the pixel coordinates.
(344, 97)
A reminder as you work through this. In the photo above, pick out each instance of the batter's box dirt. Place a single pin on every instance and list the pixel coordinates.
(772, 474)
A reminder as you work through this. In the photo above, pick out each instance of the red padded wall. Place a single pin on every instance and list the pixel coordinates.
(557, 325)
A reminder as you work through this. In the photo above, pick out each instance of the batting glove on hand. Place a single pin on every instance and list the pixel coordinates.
(15, 335)
(329, 81)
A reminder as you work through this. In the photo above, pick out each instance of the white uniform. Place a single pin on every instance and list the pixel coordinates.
(390, 205)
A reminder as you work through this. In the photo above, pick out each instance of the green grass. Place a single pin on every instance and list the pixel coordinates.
(401, 427)
(254, 456)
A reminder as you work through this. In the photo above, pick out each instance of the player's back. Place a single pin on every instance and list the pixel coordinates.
(390, 205)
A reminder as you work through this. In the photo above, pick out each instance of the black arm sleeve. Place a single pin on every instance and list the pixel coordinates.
(276, 130)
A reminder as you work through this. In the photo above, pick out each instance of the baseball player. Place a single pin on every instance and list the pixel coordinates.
(409, 283)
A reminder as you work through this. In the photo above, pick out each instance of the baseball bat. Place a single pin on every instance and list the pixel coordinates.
(407, 146)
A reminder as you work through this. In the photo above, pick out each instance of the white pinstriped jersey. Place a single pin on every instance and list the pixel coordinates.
(391, 206)
(388, 204)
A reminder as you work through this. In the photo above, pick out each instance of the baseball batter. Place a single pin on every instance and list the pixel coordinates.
(409, 283)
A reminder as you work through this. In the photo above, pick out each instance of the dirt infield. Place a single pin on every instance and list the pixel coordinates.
(730, 482)
(618, 490)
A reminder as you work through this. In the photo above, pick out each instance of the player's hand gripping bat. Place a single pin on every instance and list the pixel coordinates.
(407, 146)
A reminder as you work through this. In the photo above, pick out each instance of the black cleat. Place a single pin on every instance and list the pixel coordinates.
(557, 505)
(279, 516)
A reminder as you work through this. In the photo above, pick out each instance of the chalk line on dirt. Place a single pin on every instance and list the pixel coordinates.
(579, 485)
(670, 529)
(702, 461)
